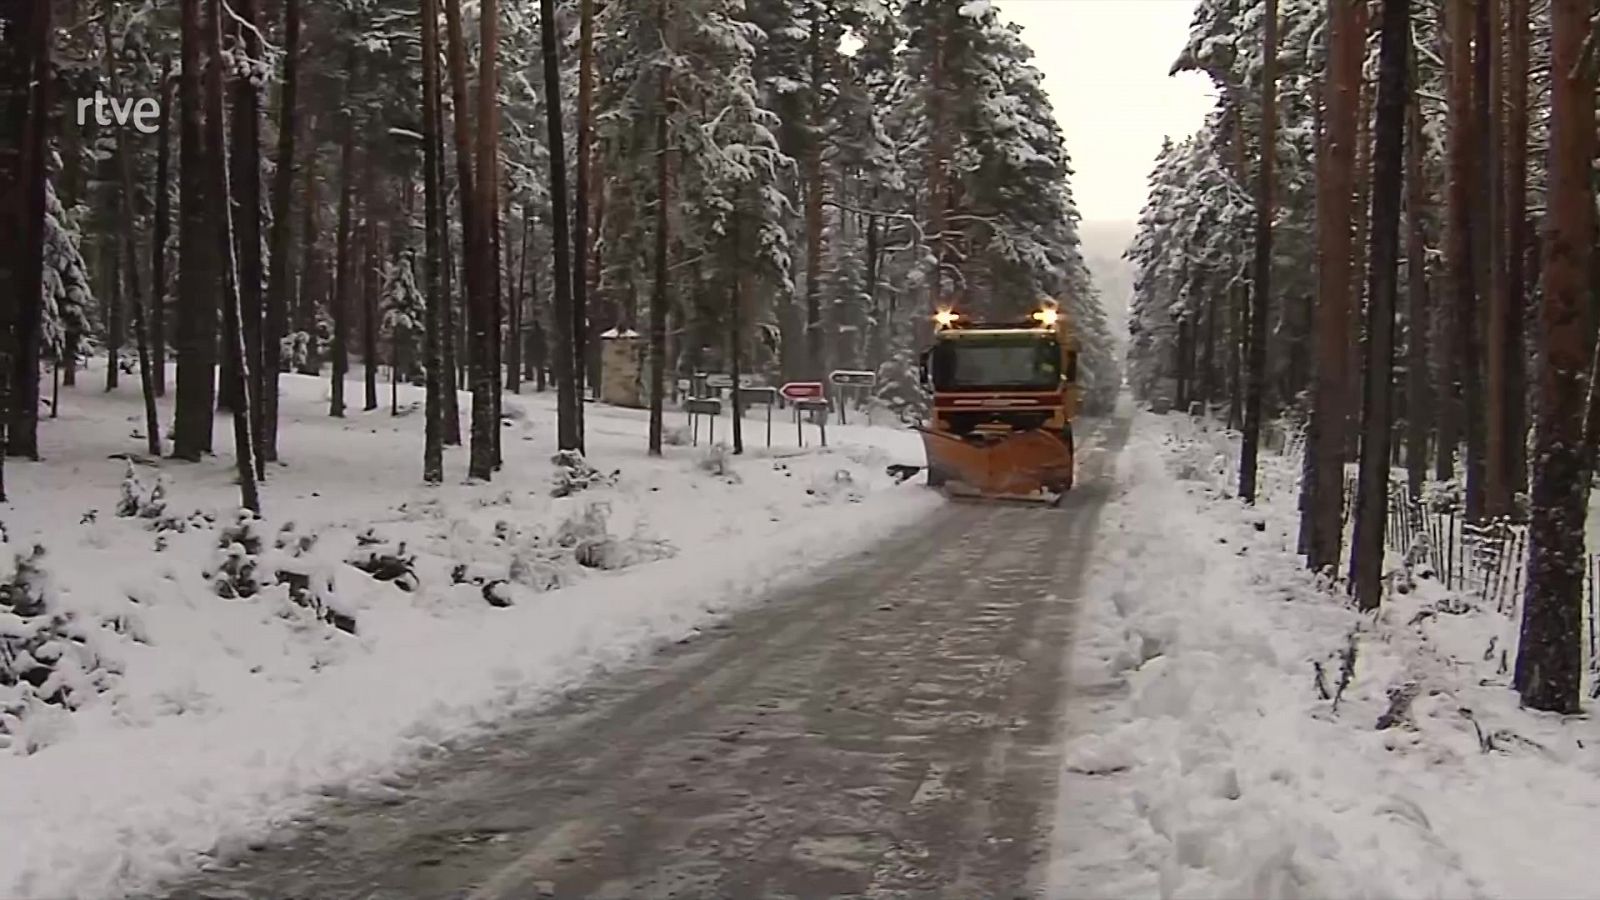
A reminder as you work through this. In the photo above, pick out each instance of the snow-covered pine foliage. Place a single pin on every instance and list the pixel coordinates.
(574, 474)
(48, 656)
(1195, 241)
(404, 309)
(1012, 227)
(68, 296)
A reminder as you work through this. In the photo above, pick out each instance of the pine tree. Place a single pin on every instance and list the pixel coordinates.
(1550, 654)
(1366, 558)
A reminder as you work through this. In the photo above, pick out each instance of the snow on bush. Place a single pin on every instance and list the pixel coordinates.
(835, 486)
(384, 560)
(139, 501)
(718, 461)
(1271, 741)
(233, 571)
(48, 656)
(593, 546)
(574, 474)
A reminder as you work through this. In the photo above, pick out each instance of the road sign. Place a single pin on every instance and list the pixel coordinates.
(719, 380)
(751, 395)
(853, 378)
(803, 390)
(703, 406)
(812, 405)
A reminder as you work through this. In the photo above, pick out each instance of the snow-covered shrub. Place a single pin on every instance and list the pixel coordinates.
(899, 386)
(139, 501)
(574, 474)
(47, 655)
(677, 436)
(68, 298)
(840, 485)
(308, 582)
(234, 572)
(718, 461)
(594, 547)
(404, 311)
(385, 561)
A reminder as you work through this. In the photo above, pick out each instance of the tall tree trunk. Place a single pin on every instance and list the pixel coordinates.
(369, 288)
(162, 230)
(580, 220)
(1549, 665)
(1491, 119)
(816, 348)
(22, 437)
(433, 208)
(197, 270)
(222, 228)
(1335, 194)
(735, 358)
(492, 344)
(25, 101)
(281, 274)
(129, 209)
(567, 398)
(938, 159)
(1457, 413)
(339, 340)
(659, 300)
(1515, 208)
(1419, 400)
(1476, 28)
(1261, 287)
(1360, 214)
(1238, 307)
(450, 411)
(519, 303)
(246, 175)
(472, 269)
(113, 319)
(313, 275)
(1372, 509)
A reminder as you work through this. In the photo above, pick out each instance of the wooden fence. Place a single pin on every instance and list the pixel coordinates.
(1485, 560)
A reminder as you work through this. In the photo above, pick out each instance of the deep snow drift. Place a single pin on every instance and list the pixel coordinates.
(1203, 759)
(218, 684)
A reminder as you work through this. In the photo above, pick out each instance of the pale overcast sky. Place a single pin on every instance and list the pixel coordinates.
(1105, 64)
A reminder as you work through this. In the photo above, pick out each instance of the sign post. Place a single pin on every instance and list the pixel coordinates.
(799, 392)
(851, 380)
(819, 406)
(761, 394)
(703, 406)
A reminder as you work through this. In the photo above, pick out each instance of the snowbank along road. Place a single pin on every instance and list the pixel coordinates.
(890, 730)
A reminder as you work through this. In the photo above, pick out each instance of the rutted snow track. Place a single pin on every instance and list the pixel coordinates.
(888, 731)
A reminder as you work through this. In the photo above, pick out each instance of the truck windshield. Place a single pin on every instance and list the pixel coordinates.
(971, 363)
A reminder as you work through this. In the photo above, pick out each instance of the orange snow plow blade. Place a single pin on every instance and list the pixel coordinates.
(1022, 465)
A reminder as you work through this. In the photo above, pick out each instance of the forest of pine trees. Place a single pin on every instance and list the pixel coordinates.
(470, 194)
(1409, 277)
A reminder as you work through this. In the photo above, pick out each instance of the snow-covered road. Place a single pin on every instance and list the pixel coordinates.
(892, 728)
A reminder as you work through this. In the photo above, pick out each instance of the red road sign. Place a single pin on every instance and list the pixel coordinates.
(803, 390)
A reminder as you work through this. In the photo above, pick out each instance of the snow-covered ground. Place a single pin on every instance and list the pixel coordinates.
(1206, 758)
(203, 720)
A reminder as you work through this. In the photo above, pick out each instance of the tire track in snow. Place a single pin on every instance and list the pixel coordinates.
(888, 731)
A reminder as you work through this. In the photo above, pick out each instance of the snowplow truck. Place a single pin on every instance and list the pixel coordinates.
(1004, 397)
